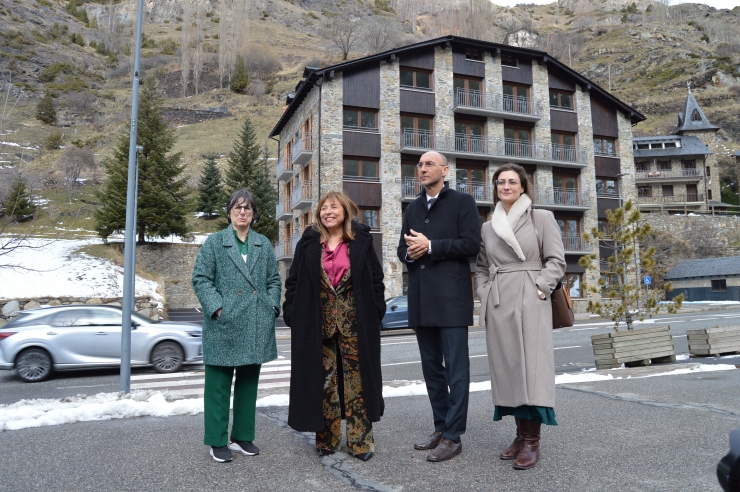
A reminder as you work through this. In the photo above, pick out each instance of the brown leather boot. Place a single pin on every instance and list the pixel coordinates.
(530, 452)
(513, 451)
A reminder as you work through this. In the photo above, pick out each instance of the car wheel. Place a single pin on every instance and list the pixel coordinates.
(33, 365)
(167, 357)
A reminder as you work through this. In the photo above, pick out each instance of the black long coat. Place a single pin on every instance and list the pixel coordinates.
(302, 312)
(440, 285)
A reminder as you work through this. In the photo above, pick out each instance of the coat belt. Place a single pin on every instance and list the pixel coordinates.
(493, 272)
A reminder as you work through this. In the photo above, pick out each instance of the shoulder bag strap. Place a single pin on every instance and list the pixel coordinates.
(537, 235)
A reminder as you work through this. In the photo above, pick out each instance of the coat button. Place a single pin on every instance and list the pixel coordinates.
(239, 293)
(426, 221)
(422, 267)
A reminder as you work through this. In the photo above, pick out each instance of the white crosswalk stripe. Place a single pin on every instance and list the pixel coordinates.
(275, 374)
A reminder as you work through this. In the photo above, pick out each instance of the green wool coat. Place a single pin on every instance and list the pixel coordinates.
(248, 293)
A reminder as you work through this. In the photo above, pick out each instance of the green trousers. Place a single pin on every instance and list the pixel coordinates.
(216, 402)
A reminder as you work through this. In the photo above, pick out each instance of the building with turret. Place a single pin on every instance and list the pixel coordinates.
(679, 173)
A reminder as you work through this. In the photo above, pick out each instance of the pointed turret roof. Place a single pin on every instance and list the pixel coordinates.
(692, 118)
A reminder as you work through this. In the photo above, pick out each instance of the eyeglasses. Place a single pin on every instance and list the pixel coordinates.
(240, 208)
(428, 165)
(502, 182)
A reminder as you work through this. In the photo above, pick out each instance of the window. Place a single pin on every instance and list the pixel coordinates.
(667, 190)
(644, 191)
(695, 116)
(417, 131)
(670, 145)
(607, 187)
(517, 141)
(719, 285)
(306, 173)
(609, 282)
(604, 146)
(362, 169)
(570, 230)
(72, 317)
(508, 61)
(473, 55)
(416, 79)
(410, 186)
(563, 146)
(472, 180)
(469, 136)
(288, 231)
(642, 167)
(709, 171)
(664, 165)
(307, 125)
(573, 281)
(366, 119)
(692, 194)
(688, 164)
(643, 146)
(603, 226)
(516, 98)
(561, 100)
(709, 194)
(288, 194)
(370, 217)
(565, 189)
(468, 92)
(305, 220)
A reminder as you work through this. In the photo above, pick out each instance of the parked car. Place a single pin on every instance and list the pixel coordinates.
(396, 314)
(81, 336)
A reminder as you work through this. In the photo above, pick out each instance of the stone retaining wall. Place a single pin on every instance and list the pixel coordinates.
(721, 232)
(9, 308)
(173, 263)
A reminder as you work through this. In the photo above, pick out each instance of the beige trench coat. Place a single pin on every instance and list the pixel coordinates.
(518, 323)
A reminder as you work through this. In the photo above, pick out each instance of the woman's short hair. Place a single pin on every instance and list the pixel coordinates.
(350, 213)
(510, 166)
(236, 197)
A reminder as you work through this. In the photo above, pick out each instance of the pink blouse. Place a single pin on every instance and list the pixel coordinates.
(336, 263)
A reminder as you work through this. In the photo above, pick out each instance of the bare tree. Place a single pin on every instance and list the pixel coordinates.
(262, 63)
(380, 36)
(225, 33)
(73, 162)
(343, 33)
(187, 10)
(198, 62)
(240, 36)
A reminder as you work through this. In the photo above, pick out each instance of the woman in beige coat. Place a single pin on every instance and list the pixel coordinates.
(514, 286)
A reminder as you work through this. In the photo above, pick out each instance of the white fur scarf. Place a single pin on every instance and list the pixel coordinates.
(503, 223)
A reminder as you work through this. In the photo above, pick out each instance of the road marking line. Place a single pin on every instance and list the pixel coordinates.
(395, 343)
(702, 319)
(418, 361)
(572, 346)
(90, 386)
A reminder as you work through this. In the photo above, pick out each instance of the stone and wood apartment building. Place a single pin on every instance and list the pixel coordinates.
(679, 173)
(360, 126)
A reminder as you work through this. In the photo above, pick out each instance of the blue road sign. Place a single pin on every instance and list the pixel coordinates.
(648, 280)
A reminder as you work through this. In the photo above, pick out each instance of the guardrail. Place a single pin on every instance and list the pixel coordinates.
(497, 102)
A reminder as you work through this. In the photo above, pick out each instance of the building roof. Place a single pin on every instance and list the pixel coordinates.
(689, 145)
(737, 154)
(314, 75)
(692, 118)
(708, 267)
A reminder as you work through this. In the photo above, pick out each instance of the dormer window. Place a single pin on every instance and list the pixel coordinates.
(473, 55)
(695, 116)
(508, 61)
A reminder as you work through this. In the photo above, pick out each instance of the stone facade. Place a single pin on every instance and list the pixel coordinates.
(710, 185)
(143, 305)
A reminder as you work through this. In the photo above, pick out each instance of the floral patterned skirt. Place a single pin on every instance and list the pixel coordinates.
(342, 349)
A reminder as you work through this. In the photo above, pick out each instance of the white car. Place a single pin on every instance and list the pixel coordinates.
(81, 336)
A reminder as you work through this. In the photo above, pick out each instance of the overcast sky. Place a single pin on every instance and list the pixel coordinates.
(720, 4)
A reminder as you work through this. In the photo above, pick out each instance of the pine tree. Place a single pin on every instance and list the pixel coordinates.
(18, 205)
(162, 200)
(240, 80)
(265, 196)
(244, 160)
(45, 111)
(211, 195)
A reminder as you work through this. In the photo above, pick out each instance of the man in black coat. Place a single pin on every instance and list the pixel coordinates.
(441, 231)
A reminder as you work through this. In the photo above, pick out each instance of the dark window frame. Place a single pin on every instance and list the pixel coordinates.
(602, 146)
(509, 61)
(360, 162)
(719, 285)
(605, 186)
(645, 191)
(360, 111)
(642, 166)
(360, 216)
(415, 86)
(567, 281)
(559, 94)
(474, 55)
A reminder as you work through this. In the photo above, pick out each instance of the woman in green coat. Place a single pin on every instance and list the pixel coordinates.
(238, 285)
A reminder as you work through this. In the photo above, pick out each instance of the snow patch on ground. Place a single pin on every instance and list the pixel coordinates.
(55, 270)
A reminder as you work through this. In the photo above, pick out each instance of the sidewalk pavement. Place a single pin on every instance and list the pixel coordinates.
(658, 433)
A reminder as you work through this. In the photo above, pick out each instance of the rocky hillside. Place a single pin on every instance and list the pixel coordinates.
(80, 52)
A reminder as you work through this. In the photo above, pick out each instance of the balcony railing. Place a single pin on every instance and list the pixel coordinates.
(574, 242)
(283, 250)
(501, 148)
(673, 173)
(283, 210)
(497, 103)
(302, 149)
(410, 188)
(302, 194)
(284, 169)
(480, 190)
(562, 197)
(671, 199)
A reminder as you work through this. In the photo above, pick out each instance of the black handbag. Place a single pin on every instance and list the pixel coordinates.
(562, 306)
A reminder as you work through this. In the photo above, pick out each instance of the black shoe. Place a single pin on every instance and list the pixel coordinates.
(222, 454)
(364, 456)
(244, 447)
(324, 452)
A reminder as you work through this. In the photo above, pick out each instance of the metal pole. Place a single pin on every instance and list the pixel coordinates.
(129, 242)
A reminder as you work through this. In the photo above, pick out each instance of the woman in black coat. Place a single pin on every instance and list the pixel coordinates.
(335, 330)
